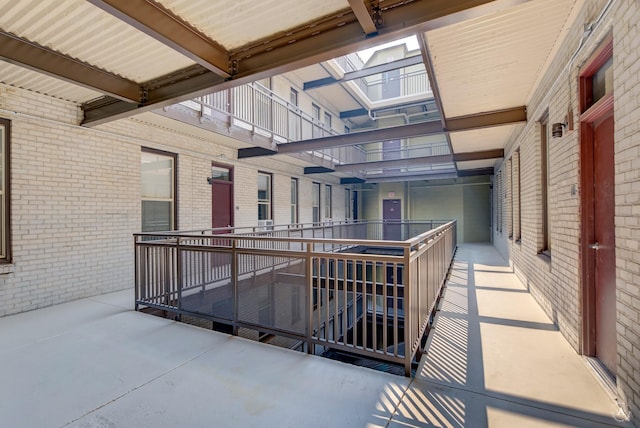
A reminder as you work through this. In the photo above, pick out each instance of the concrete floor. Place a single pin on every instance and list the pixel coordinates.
(494, 359)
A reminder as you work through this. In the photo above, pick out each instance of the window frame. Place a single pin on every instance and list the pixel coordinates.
(328, 203)
(269, 200)
(174, 183)
(294, 205)
(316, 201)
(545, 182)
(5, 245)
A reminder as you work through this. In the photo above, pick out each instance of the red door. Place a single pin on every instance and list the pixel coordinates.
(604, 245)
(221, 196)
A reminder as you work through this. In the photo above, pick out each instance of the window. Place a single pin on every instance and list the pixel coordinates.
(545, 221)
(5, 138)
(327, 120)
(347, 204)
(293, 97)
(327, 201)
(315, 109)
(498, 199)
(264, 196)
(518, 216)
(315, 202)
(294, 200)
(508, 195)
(158, 179)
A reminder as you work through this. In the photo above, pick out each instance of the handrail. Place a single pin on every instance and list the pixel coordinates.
(352, 285)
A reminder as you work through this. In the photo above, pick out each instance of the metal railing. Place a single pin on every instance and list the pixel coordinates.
(367, 288)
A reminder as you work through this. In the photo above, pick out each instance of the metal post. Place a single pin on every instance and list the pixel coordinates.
(234, 285)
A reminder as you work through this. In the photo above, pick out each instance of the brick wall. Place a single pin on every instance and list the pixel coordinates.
(556, 282)
(626, 71)
(75, 195)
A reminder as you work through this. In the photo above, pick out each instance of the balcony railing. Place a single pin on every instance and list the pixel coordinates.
(367, 288)
(258, 109)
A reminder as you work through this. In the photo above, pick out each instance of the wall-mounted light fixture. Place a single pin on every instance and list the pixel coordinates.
(210, 180)
(558, 128)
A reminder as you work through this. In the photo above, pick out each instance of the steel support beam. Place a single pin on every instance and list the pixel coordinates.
(487, 119)
(27, 54)
(363, 14)
(369, 71)
(320, 41)
(364, 137)
(483, 155)
(475, 172)
(394, 163)
(161, 24)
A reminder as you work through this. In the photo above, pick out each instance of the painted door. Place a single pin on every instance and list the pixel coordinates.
(221, 196)
(391, 216)
(604, 245)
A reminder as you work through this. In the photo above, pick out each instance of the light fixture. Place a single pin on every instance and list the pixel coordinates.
(558, 128)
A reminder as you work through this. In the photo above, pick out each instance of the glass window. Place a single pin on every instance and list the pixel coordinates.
(544, 186)
(294, 200)
(347, 204)
(220, 173)
(315, 202)
(4, 190)
(327, 120)
(293, 97)
(518, 216)
(602, 80)
(158, 190)
(327, 201)
(264, 196)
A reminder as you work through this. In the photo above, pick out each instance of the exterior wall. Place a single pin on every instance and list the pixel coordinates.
(465, 200)
(626, 71)
(556, 281)
(75, 197)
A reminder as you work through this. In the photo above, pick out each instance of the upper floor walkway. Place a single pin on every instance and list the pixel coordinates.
(493, 359)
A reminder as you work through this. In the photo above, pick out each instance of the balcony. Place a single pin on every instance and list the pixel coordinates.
(353, 288)
(493, 359)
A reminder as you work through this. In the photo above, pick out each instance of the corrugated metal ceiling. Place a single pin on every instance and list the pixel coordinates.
(492, 63)
(236, 23)
(22, 78)
(80, 30)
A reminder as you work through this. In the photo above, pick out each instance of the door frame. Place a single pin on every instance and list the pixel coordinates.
(225, 182)
(589, 114)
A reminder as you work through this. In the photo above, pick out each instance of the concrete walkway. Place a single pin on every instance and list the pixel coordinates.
(494, 359)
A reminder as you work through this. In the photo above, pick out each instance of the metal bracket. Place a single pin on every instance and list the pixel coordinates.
(376, 15)
(233, 67)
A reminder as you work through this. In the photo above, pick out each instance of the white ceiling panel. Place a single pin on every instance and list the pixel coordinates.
(235, 23)
(26, 79)
(492, 63)
(481, 139)
(80, 30)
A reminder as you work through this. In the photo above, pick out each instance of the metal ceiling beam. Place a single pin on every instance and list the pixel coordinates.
(435, 90)
(393, 163)
(320, 41)
(369, 71)
(177, 88)
(487, 119)
(475, 172)
(436, 175)
(482, 155)
(363, 14)
(27, 54)
(161, 24)
(364, 137)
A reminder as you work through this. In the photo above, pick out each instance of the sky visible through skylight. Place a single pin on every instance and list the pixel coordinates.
(411, 42)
